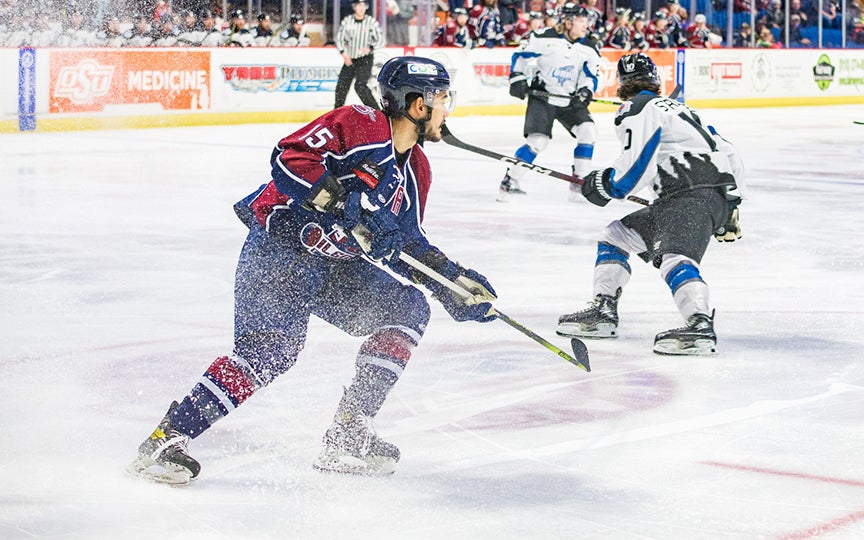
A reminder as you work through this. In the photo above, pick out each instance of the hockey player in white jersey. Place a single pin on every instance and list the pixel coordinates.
(559, 75)
(697, 177)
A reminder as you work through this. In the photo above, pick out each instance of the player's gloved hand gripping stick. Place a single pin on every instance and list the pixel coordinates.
(473, 293)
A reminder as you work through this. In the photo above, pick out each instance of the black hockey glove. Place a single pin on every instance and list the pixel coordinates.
(377, 232)
(731, 230)
(518, 86)
(584, 96)
(596, 187)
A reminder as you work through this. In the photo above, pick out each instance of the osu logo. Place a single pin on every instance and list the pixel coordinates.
(83, 83)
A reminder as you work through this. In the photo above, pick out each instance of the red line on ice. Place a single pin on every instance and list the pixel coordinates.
(828, 527)
(831, 479)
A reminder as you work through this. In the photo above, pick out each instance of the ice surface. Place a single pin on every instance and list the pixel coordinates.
(118, 250)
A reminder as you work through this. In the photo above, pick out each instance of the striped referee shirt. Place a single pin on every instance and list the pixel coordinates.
(354, 35)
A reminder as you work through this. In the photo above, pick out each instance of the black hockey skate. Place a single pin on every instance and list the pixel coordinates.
(509, 186)
(599, 320)
(697, 337)
(164, 457)
(353, 447)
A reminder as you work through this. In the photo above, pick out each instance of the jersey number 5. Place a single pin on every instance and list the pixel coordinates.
(319, 138)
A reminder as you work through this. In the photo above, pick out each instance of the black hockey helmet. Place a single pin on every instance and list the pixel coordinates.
(572, 9)
(631, 66)
(403, 75)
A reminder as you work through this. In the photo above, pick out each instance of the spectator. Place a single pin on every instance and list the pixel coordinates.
(742, 37)
(550, 18)
(210, 34)
(795, 37)
(675, 25)
(766, 40)
(619, 37)
(699, 34)
(358, 37)
(110, 35)
(164, 34)
(515, 33)
(776, 15)
(76, 32)
(188, 22)
(484, 23)
(236, 35)
(596, 21)
(399, 12)
(295, 34)
(508, 9)
(795, 8)
(455, 32)
(830, 14)
(637, 34)
(140, 35)
(262, 36)
(656, 35)
(162, 8)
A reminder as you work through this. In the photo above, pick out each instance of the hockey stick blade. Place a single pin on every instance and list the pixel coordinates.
(857, 122)
(580, 352)
(448, 137)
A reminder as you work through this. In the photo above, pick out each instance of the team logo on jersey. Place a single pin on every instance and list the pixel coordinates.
(365, 109)
(318, 242)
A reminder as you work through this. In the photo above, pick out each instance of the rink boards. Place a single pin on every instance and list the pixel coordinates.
(72, 89)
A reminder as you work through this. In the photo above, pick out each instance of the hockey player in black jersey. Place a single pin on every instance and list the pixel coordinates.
(697, 177)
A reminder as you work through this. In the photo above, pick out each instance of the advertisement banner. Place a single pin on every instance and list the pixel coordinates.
(798, 73)
(90, 80)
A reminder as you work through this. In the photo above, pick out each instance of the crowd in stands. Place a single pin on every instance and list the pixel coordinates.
(461, 23)
(22, 24)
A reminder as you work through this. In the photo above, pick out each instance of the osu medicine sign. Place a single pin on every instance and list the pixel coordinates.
(88, 80)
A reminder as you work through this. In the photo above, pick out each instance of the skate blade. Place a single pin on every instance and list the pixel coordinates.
(602, 331)
(374, 466)
(674, 347)
(169, 474)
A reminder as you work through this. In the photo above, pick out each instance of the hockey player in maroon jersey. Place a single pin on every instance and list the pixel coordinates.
(698, 179)
(350, 185)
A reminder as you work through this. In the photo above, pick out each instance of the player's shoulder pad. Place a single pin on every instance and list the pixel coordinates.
(634, 106)
(359, 124)
(590, 41)
(547, 33)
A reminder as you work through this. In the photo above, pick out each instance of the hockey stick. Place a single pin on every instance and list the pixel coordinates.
(451, 139)
(580, 351)
(540, 93)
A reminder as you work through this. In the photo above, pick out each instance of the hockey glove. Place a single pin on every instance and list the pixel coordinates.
(731, 230)
(477, 308)
(376, 231)
(584, 96)
(518, 86)
(596, 187)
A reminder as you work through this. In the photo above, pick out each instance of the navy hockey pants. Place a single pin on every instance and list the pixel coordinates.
(279, 285)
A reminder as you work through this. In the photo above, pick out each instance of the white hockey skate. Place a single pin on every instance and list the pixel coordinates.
(509, 187)
(163, 457)
(354, 448)
(696, 338)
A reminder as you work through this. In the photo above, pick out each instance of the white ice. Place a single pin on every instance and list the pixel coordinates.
(118, 250)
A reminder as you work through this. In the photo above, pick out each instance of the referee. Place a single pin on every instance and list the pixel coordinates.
(359, 35)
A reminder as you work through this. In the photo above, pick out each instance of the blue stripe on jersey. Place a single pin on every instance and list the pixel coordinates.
(521, 54)
(621, 187)
(526, 154)
(584, 151)
(609, 254)
(591, 76)
(681, 274)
